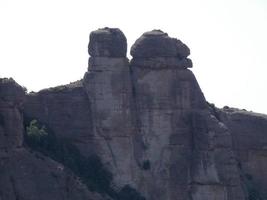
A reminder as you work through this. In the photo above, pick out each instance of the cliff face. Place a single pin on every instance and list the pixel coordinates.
(11, 126)
(25, 174)
(66, 110)
(149, 122)
(248, 131)
(189, 149)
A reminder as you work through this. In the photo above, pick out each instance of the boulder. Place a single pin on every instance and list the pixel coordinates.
(107, 42)
(158, 44)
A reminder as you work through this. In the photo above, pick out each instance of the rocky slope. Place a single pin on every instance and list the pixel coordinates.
(148, 121)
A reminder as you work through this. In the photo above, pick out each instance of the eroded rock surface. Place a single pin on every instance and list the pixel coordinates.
(181, 136)
(158, 44)
(249, 133)
(109, 89)
(107, 42)
(65, 110)
(149, 122)
(25, 174)
(11, 126)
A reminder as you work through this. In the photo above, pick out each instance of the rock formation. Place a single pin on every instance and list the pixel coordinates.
(249, 134)
(109, 89)
(181, 137)
(25, 174)
(146, 119)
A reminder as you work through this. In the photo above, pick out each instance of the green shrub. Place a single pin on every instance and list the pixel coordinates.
(35, 136)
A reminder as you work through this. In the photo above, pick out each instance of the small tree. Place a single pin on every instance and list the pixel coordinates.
(34, 134)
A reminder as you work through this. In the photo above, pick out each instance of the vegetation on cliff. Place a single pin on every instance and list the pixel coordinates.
(90, 169)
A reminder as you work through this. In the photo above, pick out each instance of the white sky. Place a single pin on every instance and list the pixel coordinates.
(44, 43)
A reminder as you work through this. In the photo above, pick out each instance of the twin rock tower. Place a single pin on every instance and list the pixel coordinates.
(147, 120)
(151, 111)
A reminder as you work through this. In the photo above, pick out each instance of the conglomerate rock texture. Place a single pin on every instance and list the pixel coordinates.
(148, 121)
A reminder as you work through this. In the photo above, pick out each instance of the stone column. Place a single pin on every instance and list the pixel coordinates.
(165, 93)
(109, 89)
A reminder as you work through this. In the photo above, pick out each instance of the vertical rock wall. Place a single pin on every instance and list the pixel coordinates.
(108, 86)
(11, 126)
(25, 174)
(249, 132)
(164, 90)
(66, 111)
(188, 148)
(148, 120)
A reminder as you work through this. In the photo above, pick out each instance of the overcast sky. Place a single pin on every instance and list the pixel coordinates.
(43, 43)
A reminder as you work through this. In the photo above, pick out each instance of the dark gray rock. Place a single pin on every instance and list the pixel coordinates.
(149, 111)
(12, 96)
(162, 63)
(32, 176)
(107, 42)
(67, 113)
(11, 91)
(158, 44)
(24, 174)
(249, 133)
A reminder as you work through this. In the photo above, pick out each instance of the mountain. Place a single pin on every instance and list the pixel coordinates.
(129, 130)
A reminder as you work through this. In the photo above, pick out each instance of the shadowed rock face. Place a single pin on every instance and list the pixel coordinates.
(249, 133)
(24, 174)
(66, 110)
(11, 126)
(149, 122)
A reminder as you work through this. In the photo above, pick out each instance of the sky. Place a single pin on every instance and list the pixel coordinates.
(44, 43)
